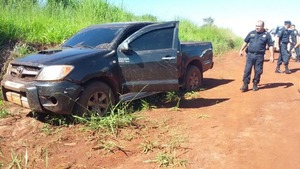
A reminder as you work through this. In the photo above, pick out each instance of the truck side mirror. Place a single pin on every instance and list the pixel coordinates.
(124, 47)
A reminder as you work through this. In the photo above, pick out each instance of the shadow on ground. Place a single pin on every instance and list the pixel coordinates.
(201, 102)
(274, 85)
(209, 83)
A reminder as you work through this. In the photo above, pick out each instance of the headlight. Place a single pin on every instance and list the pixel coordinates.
(56, 72)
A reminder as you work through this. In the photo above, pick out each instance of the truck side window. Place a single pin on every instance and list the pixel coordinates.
(157, 39)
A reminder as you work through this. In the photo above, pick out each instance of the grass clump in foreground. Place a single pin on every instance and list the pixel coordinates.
(3, 111)
(168, 146)
(119, 116)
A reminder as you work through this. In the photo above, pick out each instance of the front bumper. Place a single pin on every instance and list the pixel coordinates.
(55, 97)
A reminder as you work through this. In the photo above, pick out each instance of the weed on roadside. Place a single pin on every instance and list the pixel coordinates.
(50, 130)
(119, 116)
(148, 146)
(1, 155)
(18, 161)
(109, 147)
(145, 105)
(164, 159)
(191, 95)
(172, 96)
(176, 108)
(3, 111)
(169, 143)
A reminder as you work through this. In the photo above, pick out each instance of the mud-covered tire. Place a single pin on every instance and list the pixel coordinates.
(96, 99)
(193, 78)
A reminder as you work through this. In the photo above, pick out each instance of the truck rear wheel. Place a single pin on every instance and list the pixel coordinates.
(96, 98)
(193, 78)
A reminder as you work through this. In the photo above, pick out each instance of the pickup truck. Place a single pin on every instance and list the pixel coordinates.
(102, 63)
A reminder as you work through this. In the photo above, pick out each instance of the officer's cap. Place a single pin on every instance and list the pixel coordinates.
(287, 23)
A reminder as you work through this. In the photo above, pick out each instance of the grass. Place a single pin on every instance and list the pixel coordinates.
(3, 111)
(21, 160)
(52, 24)
(148, 146)
(119, 116)
(167, 146)
(170, 160)
(1, 155)
(109, 147)
(17, 161)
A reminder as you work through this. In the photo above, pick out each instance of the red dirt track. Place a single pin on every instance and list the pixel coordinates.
(222, 128)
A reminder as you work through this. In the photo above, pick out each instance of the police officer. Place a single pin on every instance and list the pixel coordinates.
(281, 43)
(294, 41)
(294, 50)
(255, 44)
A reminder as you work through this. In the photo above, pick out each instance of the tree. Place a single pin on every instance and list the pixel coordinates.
(208, 21)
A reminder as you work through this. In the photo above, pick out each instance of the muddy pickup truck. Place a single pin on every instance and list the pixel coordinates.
(103, 64)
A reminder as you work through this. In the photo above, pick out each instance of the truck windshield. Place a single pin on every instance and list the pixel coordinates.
(93, 37)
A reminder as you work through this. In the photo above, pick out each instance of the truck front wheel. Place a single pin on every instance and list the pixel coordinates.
(96, 98)
(193, 78)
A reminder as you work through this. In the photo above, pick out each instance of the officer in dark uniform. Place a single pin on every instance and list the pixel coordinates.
(294, 50)
(255, 44)
(281, 42)
(294, 39)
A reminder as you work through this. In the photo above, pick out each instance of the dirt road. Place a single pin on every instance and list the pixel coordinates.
(222, 128)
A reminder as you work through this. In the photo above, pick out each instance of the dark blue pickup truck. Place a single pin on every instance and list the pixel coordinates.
(104, 63)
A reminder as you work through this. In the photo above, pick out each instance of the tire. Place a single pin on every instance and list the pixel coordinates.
(193, 78)
(96, 98)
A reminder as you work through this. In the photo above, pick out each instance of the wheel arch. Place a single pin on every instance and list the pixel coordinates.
(196, 63)
(107, 80)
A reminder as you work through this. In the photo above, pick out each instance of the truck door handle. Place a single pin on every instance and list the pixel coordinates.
(169, 58)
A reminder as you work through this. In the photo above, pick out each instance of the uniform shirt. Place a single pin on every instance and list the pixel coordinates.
(294, 35)
(284, 35)
(257, 41)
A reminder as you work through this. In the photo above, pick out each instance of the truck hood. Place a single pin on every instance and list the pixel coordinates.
(59, 56)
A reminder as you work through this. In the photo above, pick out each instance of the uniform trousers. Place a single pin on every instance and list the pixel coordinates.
(255, 60)
(284, 56)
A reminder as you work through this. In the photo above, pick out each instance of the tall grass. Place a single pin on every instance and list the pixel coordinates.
(223, 39)
(24, 20)
(54, 22)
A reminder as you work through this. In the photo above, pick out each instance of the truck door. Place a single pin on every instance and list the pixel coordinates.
(148, 59)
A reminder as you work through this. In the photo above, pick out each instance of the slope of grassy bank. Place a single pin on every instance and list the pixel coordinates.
(33, 23)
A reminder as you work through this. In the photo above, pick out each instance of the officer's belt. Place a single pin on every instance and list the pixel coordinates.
(257, 53)
(284, 43)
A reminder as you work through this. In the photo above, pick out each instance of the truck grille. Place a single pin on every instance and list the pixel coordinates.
(26, 73)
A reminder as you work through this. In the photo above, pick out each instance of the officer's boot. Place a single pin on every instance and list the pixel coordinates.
(244, 87)
(277, 70)
(287, 70)
(255, 88)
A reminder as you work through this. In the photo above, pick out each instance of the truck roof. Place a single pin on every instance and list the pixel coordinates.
(120, 24)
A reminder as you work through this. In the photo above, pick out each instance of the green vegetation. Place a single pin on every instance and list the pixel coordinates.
(119, 116)
(3, 112)
(28, 21)
(35, 24)
(168, 146)
(17, 161)
(223, 39)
